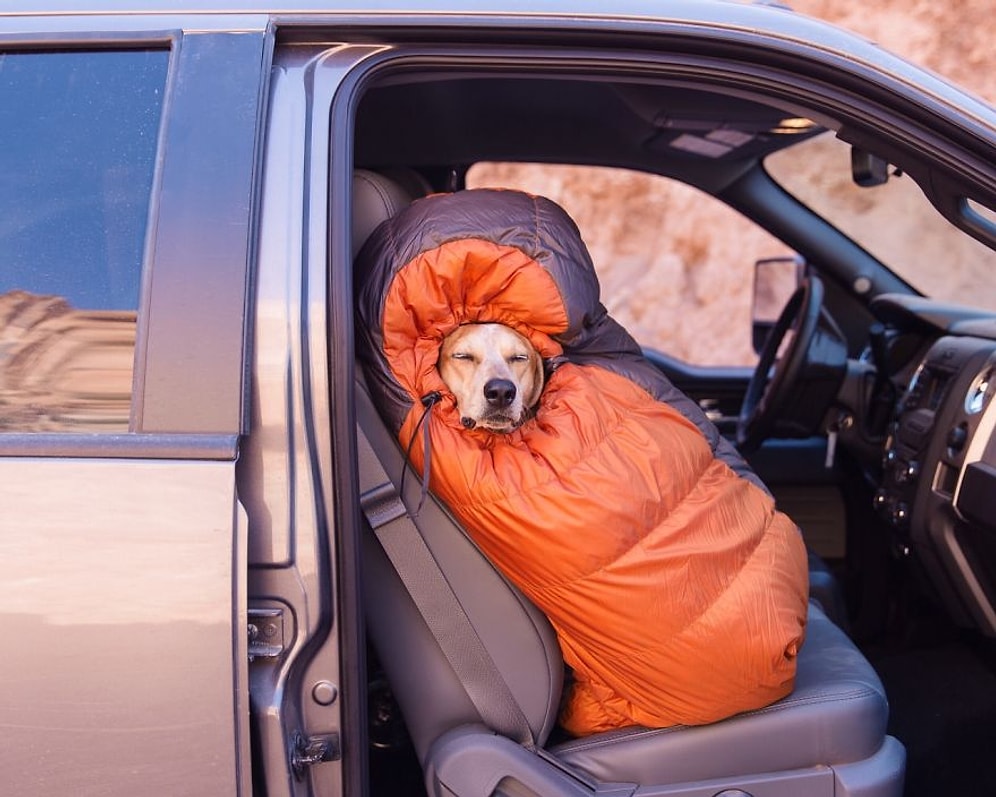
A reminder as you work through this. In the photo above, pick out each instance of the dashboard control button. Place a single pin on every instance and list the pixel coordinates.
(957, 438)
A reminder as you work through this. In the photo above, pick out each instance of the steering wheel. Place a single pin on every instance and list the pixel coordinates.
(773, 381)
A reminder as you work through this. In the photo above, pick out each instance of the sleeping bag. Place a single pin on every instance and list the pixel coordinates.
(678, 592)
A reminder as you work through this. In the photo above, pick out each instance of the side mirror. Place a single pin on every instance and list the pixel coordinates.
(775, 280)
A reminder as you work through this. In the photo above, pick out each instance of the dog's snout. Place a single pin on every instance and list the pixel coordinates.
(499, 393)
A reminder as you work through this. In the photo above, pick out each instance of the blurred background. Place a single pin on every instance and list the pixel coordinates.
(954, 38)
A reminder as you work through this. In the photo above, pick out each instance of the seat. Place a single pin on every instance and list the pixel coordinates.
(379, 195)
(826, 738)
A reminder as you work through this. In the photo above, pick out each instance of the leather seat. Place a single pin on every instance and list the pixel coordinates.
(827, 738)
(379, 195)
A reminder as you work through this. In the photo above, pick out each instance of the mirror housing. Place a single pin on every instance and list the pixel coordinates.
(868, 170)
(775, 280)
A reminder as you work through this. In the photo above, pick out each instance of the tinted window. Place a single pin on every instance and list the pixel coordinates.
(78, 139)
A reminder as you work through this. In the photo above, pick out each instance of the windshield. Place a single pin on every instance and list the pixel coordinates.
(894, 222)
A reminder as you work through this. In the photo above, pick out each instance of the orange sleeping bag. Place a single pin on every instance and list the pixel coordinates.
(677, 590)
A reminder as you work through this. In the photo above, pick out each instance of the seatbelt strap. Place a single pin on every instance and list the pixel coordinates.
(412, 559)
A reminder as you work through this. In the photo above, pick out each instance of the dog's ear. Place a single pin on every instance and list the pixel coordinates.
(531, 399)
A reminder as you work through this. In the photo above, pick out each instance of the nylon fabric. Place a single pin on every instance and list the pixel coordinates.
(677, 590)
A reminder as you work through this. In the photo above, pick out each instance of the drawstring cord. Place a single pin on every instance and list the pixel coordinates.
(429, 400)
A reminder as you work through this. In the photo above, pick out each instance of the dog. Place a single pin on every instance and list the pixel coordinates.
(494, 373)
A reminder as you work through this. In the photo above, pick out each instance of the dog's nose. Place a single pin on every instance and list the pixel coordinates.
(499, 392)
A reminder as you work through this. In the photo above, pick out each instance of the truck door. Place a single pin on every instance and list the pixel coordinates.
(126, 204)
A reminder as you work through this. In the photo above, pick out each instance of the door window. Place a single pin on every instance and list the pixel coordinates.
(78, 139)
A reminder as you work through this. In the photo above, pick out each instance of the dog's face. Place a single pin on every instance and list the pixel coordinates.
(495, 374)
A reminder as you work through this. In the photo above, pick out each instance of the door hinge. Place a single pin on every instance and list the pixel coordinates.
(312, 750)
(266, 633)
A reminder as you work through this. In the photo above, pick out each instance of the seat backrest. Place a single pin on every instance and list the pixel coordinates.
(518, 637)
(377, 197)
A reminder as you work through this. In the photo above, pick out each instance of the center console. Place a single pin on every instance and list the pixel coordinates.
(938, 481)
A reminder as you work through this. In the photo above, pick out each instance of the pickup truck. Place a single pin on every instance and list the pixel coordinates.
(193, 596)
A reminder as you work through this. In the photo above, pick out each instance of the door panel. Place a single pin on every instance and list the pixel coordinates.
(124, 618)
(718, 390)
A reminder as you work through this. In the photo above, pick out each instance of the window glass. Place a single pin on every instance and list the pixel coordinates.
(78, 139)
(895, 222)
(676, 266)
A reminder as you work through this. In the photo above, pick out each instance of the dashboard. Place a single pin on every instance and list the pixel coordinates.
(937, 485)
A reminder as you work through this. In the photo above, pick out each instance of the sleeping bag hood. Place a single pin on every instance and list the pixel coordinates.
(677, 591)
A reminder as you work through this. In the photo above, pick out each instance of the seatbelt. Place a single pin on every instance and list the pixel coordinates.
(439, 606)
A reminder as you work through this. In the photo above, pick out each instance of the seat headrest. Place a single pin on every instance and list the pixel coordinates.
(378, 196)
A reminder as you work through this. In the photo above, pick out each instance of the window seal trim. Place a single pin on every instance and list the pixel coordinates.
(100, 445)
